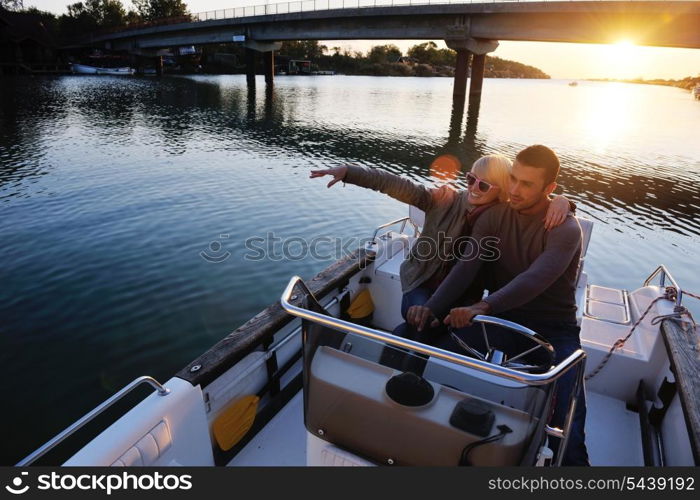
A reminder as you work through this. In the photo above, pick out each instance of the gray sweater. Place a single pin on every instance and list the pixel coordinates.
(445, 216)
(535, 274)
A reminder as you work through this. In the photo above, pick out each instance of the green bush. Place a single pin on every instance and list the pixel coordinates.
(423, 70)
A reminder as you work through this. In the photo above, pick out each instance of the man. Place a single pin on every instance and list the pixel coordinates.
(532, 283)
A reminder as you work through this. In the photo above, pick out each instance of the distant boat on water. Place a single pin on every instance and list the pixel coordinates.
(573, 84)
(83, 69)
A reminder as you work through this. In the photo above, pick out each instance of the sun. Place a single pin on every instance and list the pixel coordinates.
(624, 59)
(624, 49)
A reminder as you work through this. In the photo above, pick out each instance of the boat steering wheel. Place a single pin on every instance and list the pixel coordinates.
(499, 357)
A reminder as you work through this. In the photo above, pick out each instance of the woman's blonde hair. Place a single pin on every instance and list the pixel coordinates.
(496, 170)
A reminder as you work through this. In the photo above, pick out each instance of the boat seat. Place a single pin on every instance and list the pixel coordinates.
(385, 287)
(586, 231)
(387, 294)
(389, 264)
(417, 216)
(391, 268)
(607, 304)
(393, 247)
(395, 251)
(582, 277)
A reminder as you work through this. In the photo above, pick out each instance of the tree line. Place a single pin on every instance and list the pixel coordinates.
(94, 15)
(423, 59)
(687, 83)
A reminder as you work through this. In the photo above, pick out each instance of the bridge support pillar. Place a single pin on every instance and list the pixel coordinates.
(269, 59)
(158, 60)
(250, 60)
(477, 77)
(475, 87)
(459, 91)
(477, 49)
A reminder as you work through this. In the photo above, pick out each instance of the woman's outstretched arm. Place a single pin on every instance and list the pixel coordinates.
(400, 188)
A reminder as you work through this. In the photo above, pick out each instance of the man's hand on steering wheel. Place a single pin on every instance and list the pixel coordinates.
(460, 317)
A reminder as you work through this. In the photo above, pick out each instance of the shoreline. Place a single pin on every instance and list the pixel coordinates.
(687, 83)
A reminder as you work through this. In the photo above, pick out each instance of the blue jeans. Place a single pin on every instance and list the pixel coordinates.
(402, 359)
(564, 337)
(576, 452)
(418, 297)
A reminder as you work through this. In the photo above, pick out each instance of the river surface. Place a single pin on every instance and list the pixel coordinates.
(125, 204)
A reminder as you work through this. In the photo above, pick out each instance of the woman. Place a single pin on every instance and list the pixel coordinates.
(449, 215)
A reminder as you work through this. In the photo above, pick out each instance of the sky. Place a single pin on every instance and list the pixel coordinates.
(559, 60)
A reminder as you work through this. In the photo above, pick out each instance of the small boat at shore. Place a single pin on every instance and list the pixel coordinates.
(83, 69)
(696, 92)
(307, 382)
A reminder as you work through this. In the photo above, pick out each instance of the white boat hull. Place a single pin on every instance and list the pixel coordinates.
(83, 69)
(181, 424)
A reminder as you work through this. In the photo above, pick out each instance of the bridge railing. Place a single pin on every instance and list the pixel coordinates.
(313, 5)
(289, 7)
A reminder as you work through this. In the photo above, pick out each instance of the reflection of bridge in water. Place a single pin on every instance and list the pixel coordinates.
(472, 29)
(651, 194)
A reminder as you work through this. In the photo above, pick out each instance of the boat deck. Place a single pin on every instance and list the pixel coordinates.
(282, 442)
(612, 436)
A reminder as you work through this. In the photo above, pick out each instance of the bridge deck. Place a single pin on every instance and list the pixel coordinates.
(657, 23)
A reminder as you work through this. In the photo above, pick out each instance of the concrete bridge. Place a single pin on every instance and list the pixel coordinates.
(657, 23)
(472, 28)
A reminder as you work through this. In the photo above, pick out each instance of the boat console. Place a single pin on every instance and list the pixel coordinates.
(448, 409)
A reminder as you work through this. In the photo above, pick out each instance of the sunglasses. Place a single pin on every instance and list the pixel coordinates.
(481, 185)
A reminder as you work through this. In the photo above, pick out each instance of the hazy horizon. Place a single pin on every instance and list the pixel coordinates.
(623, 60)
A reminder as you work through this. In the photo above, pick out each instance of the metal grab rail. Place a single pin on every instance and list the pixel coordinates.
(534, 379)
(665, 274)
(161, 389)
(404, 220)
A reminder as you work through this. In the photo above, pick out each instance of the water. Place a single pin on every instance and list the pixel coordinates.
(110, 189)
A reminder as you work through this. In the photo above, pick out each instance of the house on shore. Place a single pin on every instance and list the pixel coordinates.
(26, 46)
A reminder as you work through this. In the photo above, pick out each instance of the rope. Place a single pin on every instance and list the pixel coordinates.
(670, 293)
(678, 312)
